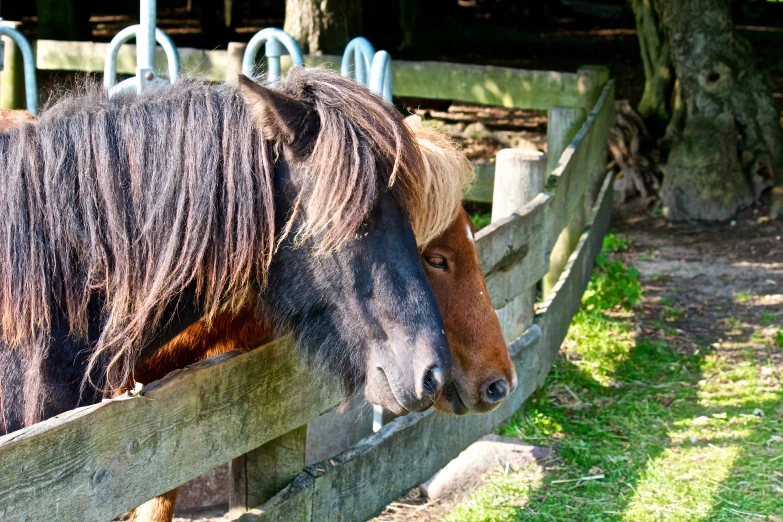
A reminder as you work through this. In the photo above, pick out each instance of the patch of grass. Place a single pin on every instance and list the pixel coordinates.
(612, 286)
(768, 318)
(676, 437)
(779, 338)
(481, 219)
(614, 243)
(657, 211)
(743, 297)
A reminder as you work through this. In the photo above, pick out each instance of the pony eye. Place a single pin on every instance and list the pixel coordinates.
(438, 262)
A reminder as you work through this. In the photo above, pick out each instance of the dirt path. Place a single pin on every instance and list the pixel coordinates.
(718, 285)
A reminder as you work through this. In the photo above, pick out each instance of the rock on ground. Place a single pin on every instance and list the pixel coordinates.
(488, 455)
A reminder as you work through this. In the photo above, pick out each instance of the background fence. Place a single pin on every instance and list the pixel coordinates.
(549, 218)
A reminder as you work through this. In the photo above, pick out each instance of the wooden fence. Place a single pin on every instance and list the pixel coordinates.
(96, 462)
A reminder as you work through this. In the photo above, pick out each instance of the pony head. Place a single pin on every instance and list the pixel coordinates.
(346, 278)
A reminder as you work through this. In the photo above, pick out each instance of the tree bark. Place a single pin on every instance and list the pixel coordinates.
(323, 26)
(731, 137)
(654, 106)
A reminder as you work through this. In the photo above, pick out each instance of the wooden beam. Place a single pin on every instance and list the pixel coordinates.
(572, 175)
(562, 124)
(520, 177)
(487, 84)
(97, 462)
(59, 55)
(503, 86)
(480, 191)
(513, 251)
(357, 484)
(258, 475)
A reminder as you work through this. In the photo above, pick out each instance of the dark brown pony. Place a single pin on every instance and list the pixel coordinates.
(483, 372)
(126, 220)
(482, 369)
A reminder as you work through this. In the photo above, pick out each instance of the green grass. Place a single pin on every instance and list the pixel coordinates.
(743, 297)
(481, 219)
(768, 318)
(676, 437)
(614, 243)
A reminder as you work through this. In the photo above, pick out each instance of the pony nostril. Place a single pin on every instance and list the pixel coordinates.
(434, 380)
(496, 391)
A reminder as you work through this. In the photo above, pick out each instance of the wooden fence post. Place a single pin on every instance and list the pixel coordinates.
(258, 475)
(562, 125)
(12, 94)
(519, 177)
(591, 81)
(234, 56)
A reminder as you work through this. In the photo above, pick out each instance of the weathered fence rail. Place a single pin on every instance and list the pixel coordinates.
(97, 462)
(503, 86)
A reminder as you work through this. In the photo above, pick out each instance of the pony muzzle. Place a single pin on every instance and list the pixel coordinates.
(409, 383)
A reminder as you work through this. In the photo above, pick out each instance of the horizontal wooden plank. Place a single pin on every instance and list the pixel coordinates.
(571, 177)
(59, 55)
(504, 86)
(358, 483)
(485, 84)
(513, 251)
(94, 463)
(480, 191)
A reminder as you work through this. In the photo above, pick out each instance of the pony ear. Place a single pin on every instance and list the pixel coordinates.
(279, 116)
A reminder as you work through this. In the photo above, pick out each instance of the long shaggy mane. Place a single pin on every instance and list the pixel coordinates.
(136, 198)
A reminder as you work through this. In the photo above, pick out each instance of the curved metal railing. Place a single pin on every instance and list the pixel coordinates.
(146, 34)
(277, 43)
(30, 83)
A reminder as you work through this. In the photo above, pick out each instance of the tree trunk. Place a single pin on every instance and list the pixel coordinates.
(323, 26)
(731, 137)
(654, 106)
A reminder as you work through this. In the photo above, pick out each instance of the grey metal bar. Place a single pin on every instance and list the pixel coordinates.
(30, 82)
(146, 34)
(357, 59)
(278, 43)
(110, 64)
(381, 76)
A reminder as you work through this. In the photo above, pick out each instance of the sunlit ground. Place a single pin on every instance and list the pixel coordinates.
(642, 432)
